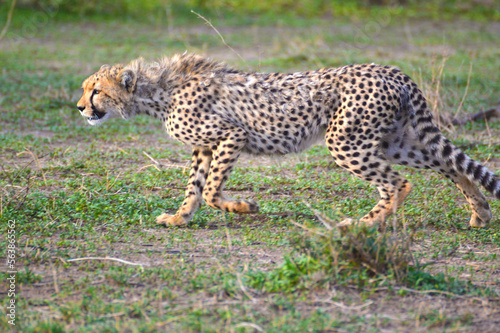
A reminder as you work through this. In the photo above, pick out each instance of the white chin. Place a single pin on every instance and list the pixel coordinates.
(97, 121)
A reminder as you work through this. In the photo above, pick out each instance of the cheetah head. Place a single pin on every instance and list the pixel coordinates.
(108, 92)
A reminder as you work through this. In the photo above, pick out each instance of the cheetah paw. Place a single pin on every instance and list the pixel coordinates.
(241, 206)
(253, 207)
(173, 220)
(346, 223)
(477, 222)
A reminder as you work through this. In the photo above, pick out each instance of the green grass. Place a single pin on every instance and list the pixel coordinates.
(238, 12)
(77, 191)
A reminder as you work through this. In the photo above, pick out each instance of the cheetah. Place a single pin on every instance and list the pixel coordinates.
(371, 117)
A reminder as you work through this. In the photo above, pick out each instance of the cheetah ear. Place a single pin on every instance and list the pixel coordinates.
(127, 79)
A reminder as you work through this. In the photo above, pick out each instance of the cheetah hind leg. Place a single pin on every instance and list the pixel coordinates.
(393, 187)
(421, 159)
(392, 197)
(481, 212)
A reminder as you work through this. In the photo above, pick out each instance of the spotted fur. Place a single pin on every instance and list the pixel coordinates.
(371, 117)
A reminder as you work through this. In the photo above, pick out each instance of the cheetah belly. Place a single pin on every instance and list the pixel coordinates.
(280, 144)
(280, 132)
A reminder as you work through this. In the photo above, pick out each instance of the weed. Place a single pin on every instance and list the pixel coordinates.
(360, 256)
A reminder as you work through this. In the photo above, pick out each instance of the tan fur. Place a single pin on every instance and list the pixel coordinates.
(371, 117)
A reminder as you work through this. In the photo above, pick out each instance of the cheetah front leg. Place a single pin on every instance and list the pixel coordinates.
(199, 170)
(224, 158)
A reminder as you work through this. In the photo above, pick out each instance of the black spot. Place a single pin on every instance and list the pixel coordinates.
(430, 129)
(435, 139)
(492, 185)
(478, 172)
(446, 151)
(470, 166)
(459, 160)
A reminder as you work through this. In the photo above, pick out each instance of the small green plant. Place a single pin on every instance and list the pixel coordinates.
(27, 276)
(358, 255)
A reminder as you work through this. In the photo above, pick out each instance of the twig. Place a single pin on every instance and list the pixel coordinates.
(242, 287)
(481, 115)
(308, 229)
(148, 166)
(107, 181)
(108, 258)
(157, 165)
(466, 90)
(182, 308)
(321, 217)
(9, 18)
(229, 242)
(163, 323)
(438, 83)
(432, 291)
(252, 325)
(350, 307)
(62, 259)
(21, 202)
(54, 274)
(218, 33)
(152, 159)
(28, 151)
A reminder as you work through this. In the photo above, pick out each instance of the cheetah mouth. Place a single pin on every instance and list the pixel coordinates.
(97, 116)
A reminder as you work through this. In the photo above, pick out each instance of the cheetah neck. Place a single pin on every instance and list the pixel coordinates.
(157, 80)
(151, 100)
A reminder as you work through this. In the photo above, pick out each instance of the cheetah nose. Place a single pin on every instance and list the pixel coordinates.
(80, 108)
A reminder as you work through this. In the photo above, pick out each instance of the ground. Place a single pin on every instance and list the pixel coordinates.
(80, 192)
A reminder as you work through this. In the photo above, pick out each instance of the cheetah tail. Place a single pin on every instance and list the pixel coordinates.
(474, 171)
(434, 141)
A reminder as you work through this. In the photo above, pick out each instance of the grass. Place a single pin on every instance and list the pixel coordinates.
(267, 12)
(77, 192)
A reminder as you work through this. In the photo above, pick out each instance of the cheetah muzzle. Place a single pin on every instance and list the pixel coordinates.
(371, 117)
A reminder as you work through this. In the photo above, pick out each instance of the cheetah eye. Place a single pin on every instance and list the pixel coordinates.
(97, 91)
